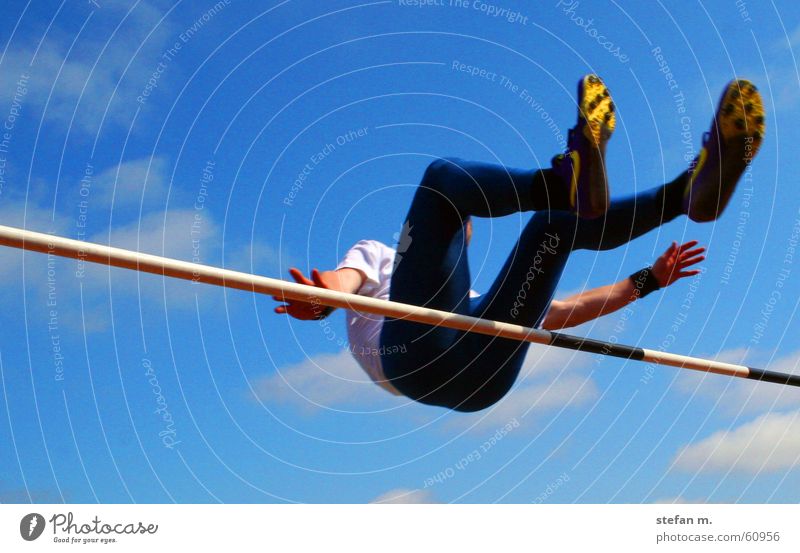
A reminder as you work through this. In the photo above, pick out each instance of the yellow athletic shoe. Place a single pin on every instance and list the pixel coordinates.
(728, 148)
(582, 167)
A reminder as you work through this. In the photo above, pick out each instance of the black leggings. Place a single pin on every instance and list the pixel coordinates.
(468, 371)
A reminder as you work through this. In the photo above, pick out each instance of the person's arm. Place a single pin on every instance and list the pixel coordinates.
(591, 304)
(343, 280)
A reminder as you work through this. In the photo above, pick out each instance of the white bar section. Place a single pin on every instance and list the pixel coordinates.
(414, 528)
(118, 257)
(694, 363)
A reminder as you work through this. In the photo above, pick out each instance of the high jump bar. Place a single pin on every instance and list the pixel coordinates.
(127, 259)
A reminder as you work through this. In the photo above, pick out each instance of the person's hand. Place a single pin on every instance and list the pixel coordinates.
(671, 265)
(305, 310)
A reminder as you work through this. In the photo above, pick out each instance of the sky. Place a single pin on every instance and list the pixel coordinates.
(261, 136)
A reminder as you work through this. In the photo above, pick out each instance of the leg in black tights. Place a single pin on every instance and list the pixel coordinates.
(466, 371)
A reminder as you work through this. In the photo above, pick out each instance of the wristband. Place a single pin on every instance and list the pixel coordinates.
(327, 310)
(644, 281)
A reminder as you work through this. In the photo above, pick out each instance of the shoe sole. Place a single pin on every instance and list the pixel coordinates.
(596, 110)
(740, 121)
(741, 115)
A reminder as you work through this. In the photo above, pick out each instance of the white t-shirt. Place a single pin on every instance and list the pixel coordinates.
(376, 261)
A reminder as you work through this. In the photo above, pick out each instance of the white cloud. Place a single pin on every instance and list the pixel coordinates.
(550, 379)
(91, 78)
(326, 380)
(33, 217)
(43, 276)
(406, 496)
(735, 395)
(132, 181)
(545, 361)
(178, 234)
(533, 400)
(186, 234)
(769, 443)
(153, 234)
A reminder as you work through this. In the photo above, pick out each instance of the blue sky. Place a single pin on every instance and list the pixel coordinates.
(180, 128)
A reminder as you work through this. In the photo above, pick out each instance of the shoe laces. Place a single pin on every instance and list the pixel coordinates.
(570, 140)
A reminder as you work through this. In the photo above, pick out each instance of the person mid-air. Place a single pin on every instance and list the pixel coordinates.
(467, 371)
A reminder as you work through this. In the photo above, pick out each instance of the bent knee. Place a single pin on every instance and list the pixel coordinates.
(439, 171)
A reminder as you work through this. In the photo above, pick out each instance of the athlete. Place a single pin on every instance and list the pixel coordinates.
(468, 371)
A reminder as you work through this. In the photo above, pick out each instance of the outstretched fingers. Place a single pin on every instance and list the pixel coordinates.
(299, 277)
(691, 261)
(317, 279)
(692, 253)
(687, 245)
(673, 248)
(689, 255)
(693, 272)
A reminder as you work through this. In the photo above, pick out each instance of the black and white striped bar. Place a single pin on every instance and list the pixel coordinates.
(117, 257)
